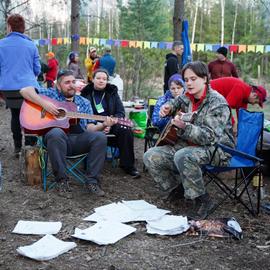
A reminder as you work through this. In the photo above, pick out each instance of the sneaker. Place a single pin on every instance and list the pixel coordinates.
(202, 207)
(95, 189)
(62, 186)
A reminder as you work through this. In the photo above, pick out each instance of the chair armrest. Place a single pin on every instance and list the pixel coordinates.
(235, 152)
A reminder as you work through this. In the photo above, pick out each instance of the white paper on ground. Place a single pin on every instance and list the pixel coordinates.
(37, 227)
(168, 225)
(139, 205)
(127, 211)
(104, 233)
(47, 248)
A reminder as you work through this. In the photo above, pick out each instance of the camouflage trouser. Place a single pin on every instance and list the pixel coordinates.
(170, 166)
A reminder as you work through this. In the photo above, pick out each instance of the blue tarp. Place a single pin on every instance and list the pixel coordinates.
(187, 54)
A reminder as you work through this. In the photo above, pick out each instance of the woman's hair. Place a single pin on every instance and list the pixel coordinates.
(16, 23)
(101, 70)
(199, 68)
(72, 56)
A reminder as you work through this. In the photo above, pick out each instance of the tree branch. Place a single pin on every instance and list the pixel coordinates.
(21, 4)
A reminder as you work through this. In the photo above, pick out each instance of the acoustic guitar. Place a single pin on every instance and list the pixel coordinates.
(35, 120)
(169, 133)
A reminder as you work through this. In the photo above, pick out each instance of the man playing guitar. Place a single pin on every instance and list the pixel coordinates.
(83, 136)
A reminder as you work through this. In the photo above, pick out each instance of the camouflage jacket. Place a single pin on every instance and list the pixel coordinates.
(212, 123)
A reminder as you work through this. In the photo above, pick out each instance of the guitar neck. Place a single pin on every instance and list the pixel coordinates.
(85, 116)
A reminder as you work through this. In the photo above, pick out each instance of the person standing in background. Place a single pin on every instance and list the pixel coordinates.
(53, 69)
(172, 64)
(107, 61)
(19, 67)
(90, 61)
(222, 67)
(74, 65)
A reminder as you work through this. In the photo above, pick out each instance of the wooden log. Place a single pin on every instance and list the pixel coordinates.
(32, 166)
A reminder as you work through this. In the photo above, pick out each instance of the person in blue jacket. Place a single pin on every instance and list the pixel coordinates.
(176, 88)
(19, 66)
(107, 61)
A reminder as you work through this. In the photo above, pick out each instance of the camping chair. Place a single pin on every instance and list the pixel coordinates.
(243, 160)
(75, 166)
(151, 132)
(112, 153)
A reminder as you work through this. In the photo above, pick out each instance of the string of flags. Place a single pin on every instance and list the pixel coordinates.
(195, 47)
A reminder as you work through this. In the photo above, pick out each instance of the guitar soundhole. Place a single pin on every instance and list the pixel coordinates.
(61, 114)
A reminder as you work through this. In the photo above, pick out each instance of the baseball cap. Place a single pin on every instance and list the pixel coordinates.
(92, 49)
(50, 54)
(107, 48)
(262, 94)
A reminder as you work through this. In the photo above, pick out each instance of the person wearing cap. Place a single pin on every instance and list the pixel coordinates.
(172, 64)
(239, 94)
(51, 74)
(107, 61)
(84, 136)
(19, 67)
(74, 65)
(177, 88)
(222, 67)
(90, 61)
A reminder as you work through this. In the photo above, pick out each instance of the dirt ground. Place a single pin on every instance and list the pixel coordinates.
(137, 251)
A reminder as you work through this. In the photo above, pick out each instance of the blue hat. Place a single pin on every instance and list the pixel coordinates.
(177, 77)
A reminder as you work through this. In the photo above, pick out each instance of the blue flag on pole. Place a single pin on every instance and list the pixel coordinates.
(187, 54)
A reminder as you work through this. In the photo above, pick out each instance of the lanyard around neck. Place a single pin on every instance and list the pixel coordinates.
(94, 100)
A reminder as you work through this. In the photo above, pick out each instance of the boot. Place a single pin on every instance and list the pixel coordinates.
(202, 208)
(176, 194)
(17, 148)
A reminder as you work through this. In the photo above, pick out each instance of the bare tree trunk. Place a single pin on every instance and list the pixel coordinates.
(201, 22)
(178, 18)
(234, 25)
(194, 22)
(222, 3)
(75, 23)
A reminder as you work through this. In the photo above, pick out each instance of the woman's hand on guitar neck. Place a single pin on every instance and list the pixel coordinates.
(110, 121)
(49, 107)
(165, 110)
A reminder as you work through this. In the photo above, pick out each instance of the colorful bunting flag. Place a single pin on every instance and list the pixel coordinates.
(242, 48)
(260, 48)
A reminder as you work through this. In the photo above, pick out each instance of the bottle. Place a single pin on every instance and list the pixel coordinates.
(255, 183)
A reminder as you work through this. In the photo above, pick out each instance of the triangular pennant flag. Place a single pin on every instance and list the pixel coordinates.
(82, 41)
(88, 41)
(209, 47)
(132, 44)
(154, 44)
(251, 48)
(193, 47)
(139, 44)
(233, 48)
(59, 41)
(110, 42)
(96, 41)
(267, 48)
(260, 48)
(124, 43)
(146, 44)
(242, 48)
(215, 47)
(200, 47)
(102, 42)
(162, 45)
(117, 43)
(54, 41)
(169, 45)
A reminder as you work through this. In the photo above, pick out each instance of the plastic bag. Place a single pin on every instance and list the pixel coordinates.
(140, 120)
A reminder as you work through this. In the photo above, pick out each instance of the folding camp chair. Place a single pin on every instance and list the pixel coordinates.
(243, 160)
(75, 165)
(152, 132)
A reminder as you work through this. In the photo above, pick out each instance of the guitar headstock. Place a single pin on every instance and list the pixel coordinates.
(125, 123)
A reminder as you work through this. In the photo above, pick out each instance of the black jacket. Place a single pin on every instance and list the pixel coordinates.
(171, 67)
(113, 101)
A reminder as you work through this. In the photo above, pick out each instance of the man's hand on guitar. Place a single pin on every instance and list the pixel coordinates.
(178, 122)
(165, 110)
(50, 107)
(109, 121)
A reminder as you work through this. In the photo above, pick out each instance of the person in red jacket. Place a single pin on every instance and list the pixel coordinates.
(222, 67)
(53, 69)
(238, 93)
